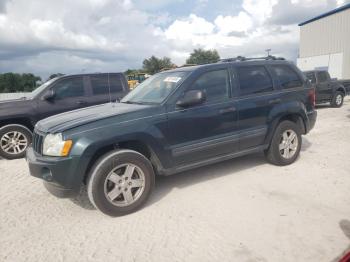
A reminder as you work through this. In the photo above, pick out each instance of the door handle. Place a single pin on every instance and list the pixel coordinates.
(227, 110)
(81, 103)
(275, 101)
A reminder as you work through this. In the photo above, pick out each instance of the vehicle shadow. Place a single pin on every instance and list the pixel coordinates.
(323, 106)
(165, 184)
(306, 144)
(345, 227)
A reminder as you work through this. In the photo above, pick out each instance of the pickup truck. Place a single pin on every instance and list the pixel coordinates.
(328, 90)
(19, 116)
(174, 121)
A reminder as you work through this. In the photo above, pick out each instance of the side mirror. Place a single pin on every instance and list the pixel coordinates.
(49, 95)
(191, 98)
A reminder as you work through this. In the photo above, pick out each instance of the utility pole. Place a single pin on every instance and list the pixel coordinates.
(268, 51)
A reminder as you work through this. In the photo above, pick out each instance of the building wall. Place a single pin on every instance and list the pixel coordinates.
(331, 62)
(327, 36)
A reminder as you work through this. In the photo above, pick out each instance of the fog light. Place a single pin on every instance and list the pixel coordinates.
(46, 174)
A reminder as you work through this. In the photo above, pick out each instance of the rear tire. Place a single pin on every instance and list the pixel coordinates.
(285, 144)
(14, 140)
(337, 100)
(120, 182)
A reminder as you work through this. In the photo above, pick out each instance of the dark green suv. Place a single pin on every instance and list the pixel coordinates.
(174, 121)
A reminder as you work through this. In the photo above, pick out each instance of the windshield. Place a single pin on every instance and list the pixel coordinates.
(39, 89)
(155, 89)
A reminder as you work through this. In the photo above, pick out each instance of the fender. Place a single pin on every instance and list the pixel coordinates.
(294, 111)
(87, 146)
(340, 88)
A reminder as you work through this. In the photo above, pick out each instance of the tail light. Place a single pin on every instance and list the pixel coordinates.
(312, 97)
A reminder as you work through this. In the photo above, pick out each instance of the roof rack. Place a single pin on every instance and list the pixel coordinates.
(242, 58)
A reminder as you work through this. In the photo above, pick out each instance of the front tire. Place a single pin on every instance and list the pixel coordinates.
(338, 99)
(120, 182)
(285, 144)
(14, 140)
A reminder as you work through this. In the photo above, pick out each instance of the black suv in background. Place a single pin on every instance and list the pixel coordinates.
(18, 117)
(328, 90)
(174, 121)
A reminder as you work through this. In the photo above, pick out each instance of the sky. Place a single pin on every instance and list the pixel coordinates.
(75, 36)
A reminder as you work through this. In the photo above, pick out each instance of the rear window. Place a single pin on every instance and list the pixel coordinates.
(286, 76)
(101, 84)
(253, 80)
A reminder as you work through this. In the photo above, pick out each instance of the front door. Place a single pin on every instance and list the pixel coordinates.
(207, 130)
(323, 88)
(69, 94)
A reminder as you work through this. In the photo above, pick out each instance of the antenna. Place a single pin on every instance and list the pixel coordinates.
(109, 89)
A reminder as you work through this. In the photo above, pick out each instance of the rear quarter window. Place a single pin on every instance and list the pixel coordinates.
(254, 80)
(286, 76)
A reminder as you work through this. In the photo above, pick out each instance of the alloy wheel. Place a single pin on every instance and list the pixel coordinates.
(289, 144)
(124, 185)
(13, 142)
(338, 99)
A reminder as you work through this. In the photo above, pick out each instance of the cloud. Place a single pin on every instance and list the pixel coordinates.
(47, 36)
(261, 24)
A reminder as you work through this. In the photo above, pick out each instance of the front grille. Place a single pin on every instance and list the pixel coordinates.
(38, 142)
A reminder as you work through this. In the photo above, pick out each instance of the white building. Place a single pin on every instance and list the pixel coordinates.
(325, 43)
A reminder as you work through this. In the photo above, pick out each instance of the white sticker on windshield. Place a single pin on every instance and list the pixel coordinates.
(173, 79)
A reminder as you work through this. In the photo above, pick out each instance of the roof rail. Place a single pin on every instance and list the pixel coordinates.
(242, 58)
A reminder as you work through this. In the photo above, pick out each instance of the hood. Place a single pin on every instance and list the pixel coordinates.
(11, 102)
(68, 120)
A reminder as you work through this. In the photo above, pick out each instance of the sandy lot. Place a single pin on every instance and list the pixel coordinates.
(238, 210)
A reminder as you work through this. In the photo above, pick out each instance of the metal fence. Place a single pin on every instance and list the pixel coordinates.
(5, 96)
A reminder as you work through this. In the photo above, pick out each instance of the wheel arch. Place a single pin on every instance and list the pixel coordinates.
(294, 117)
(25, 122)
(136, 145)
(341, 89)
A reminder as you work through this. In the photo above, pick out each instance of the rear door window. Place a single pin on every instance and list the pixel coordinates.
(254, 80)
(286, 76)
(103, 84)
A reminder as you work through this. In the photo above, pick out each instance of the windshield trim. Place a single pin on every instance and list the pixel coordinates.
(46, 84)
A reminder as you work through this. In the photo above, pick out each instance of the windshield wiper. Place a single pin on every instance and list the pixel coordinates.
(138, 103)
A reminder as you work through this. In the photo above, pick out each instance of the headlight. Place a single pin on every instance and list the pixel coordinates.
(55, 146)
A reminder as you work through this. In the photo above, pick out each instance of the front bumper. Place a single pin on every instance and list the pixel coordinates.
(312, 116)
(59, 174)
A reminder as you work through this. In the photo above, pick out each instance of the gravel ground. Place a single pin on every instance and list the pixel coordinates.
(239, 210)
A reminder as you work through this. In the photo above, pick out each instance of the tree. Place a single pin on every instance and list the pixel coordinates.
(200, 57)
(12, 82)
(154, 65)
(29, 82)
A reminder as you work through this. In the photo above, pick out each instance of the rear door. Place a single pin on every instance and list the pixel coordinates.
(70, 94)
(256, 99)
